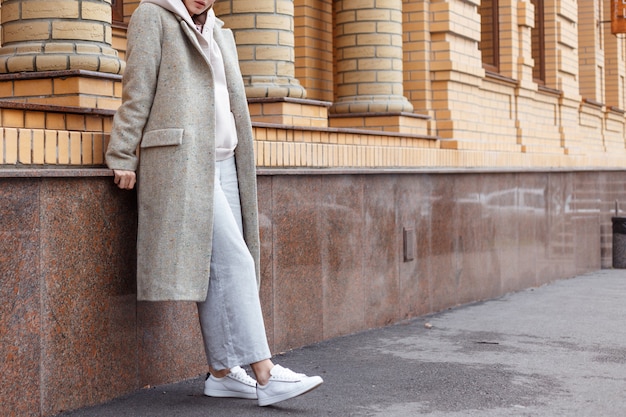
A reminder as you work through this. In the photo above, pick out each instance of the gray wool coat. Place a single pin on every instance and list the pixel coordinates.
(167, 112)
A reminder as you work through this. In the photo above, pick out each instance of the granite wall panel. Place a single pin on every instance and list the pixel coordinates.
(443, 254)
(333, 263)
(341, 250)
(297, 271)
(88, 305)
(414, 206)
(518, 233)
(20, 299)
(382, 237)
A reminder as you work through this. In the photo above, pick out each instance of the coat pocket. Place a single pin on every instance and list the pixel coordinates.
(162, 137)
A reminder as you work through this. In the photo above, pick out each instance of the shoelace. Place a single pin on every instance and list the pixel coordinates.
(240, 375)
(286, 373)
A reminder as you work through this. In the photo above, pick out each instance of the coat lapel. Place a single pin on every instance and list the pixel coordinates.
(226, 42)
(191, 34)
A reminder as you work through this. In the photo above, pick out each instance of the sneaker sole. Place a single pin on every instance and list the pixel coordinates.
(230, 394)
(303, 390)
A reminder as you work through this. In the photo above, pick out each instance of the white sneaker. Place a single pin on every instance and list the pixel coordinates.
(237, 384)
(285, 384)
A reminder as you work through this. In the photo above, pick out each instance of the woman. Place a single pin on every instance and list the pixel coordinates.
(184, 107)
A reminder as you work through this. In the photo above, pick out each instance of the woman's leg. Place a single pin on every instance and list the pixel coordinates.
(231, 318)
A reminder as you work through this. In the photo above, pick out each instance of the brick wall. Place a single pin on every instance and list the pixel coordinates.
(463, 116)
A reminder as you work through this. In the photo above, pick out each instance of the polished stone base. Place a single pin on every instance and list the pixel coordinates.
(341, 252)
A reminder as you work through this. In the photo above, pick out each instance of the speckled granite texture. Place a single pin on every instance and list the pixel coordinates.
(72, 333)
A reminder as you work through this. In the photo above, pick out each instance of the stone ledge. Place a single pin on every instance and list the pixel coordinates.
(54, 172)
(63, 172)
(59, 74)
(53, 108)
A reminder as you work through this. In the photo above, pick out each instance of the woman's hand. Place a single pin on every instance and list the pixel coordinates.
(125, 179)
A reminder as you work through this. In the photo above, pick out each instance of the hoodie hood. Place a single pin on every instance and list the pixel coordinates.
(178, 8)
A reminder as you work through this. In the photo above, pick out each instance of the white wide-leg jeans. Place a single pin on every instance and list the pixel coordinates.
(230, 318)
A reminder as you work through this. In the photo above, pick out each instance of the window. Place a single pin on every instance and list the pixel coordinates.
(538, 43)
(489, 35)
(117, 9)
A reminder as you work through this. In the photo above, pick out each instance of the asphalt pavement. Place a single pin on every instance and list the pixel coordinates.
(557, 350)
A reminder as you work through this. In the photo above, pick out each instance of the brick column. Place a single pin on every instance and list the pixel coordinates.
(368, 46)
(56, 35)
(58, 52)
(265, 42)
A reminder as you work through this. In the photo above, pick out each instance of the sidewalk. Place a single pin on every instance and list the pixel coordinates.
(557, 350)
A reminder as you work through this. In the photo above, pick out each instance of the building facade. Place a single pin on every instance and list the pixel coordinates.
(412, 156)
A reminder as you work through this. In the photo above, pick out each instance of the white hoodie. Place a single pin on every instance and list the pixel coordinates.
(225, 133)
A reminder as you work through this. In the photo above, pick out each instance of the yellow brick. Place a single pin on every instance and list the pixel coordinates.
(28, 88)
(253, 6)
(10, 145)
(108, 103)
(86, 101)
(63, 147)
(258, 68)
(21, 63)
(88, 49)
(51, 63)
(274, 22)
(25, 146)
(75, 142)
(87, 85)
(50, 147)
(12, 118)
(93, 123)
(38, 146)
(257, 157)
(264, 153)
(246, 53)
(29, 48)
(98, 148)
(49, 8)
(15, 32)
(239, 21)
(84, 62)
(6, 89)
(54, 100)
(285, 69)
(87, 148)
(117, 91)
(265, 37)
(260, 134)
(55, 121)
(96, 11)
(273, 53)
(284, 7)
(75, 122)
(60, 47)
(107, 124)
(110, 65)
(256, 109)
(106, 140)
(78, 31)
(35, 120)
(62, 86)
(10, 12)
